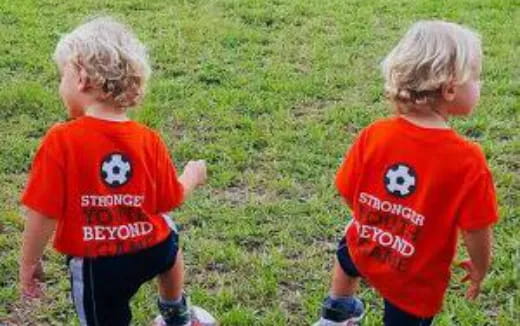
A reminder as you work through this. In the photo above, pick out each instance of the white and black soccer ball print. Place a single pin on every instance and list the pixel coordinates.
(116, 170)
(400, 180)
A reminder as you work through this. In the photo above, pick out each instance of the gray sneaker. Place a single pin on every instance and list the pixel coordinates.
(182, 313)
(341, 312)
(199, 317)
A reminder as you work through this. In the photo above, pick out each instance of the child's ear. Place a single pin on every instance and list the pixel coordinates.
(449, 91)
(83, 80)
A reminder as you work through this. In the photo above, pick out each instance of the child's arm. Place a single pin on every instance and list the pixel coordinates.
(478, 243)
(194, 174)
(38, 230)
(348, 173)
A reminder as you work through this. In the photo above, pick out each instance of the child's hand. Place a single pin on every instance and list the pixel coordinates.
(478, 243)
(38, 230)
(196, 171)
(30, 281)
(194, 175)
(474, 277)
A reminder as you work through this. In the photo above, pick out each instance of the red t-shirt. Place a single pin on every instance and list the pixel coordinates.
(411, 189)
(106, 183)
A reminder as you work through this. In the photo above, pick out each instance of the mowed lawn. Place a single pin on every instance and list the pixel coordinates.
(271, 94)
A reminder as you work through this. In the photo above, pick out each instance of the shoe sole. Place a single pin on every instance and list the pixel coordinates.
(202, 318)
(350, 322)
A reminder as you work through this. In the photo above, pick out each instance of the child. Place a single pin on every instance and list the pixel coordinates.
(103, 184)
(412, 182)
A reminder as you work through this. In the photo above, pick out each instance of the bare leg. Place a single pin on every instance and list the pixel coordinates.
(171, 282)
(341, 307)
(342, 284)
(173, 305)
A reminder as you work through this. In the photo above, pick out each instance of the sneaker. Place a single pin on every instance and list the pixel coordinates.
(345, 312)
(199, 317)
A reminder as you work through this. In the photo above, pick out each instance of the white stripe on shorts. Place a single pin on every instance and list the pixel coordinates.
(76, 270)
(170, 222)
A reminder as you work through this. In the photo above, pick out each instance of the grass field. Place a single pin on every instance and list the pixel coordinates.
(271, 94)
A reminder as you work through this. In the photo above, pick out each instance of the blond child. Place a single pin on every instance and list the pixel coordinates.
(412, 183)
(103, 185)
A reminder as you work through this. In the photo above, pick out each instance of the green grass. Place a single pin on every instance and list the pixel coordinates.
(271, 94)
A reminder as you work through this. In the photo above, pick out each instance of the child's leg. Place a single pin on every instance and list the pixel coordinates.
(171, 282)
(173, 304)
(341, 307)
(397, 317)
(343, 285)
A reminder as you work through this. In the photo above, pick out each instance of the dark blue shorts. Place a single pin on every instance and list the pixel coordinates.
(102, 287)
(393, 316)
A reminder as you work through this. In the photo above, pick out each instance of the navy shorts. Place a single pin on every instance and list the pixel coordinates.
(102, 287)
(393, 315)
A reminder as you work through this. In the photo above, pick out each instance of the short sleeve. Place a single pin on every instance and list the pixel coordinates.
(348, 173)
(170, 193)
(479, 205)
(45, 189)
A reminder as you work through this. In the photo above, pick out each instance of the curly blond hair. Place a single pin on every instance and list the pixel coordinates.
(431, 55)
(115, 61)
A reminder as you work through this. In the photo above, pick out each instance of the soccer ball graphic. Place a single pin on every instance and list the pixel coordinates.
(400, 180)
(116, 170)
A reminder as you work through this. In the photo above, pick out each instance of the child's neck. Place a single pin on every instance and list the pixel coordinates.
(434, 120)
(106, 113)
